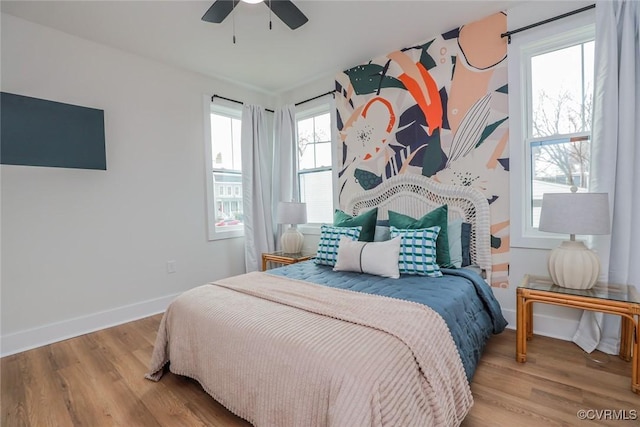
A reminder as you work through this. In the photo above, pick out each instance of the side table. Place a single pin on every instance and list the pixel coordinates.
(284, 258)
(622, 300)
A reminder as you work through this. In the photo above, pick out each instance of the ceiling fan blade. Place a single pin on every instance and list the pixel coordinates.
(219, 10)
(287, 12)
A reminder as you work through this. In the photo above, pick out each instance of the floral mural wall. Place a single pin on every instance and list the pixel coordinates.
(439, 109)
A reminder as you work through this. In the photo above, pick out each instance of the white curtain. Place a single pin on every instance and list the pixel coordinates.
(615, 158)
(256, 186)
(285, 158)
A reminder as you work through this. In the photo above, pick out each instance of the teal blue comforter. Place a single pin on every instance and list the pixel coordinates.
(461, 297)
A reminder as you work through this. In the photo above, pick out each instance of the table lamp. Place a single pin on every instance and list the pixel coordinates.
(572, 264)
(293, 213)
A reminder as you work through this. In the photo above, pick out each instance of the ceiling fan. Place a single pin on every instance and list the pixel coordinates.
(283, 9)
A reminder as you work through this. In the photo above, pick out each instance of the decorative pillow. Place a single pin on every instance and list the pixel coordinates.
(366, 220)
(378, 258)
(418, 251)
(327, 252)
(454, 234)
(466, 244)
(382, 231)
(437, 217)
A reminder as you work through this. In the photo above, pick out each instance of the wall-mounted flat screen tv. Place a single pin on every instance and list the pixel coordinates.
(37, 132)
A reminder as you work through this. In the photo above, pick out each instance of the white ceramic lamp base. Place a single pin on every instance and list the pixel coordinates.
(573, 265)
(292, 241)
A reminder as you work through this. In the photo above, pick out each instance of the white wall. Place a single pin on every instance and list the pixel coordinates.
(85, 249)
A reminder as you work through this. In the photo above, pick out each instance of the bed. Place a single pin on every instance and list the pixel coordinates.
(304, 345)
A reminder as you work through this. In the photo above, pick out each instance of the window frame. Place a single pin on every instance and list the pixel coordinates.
(212, 198)
(567, 32)
(314, 108)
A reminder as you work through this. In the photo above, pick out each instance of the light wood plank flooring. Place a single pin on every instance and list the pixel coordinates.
(98, 380)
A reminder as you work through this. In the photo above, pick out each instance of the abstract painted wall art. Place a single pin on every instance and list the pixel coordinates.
(438, 108)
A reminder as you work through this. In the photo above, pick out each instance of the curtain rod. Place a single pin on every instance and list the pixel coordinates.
(271, 111)
(233, 100)
(331, 92)
(546, 21)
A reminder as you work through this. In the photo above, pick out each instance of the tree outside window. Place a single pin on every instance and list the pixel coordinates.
(560, 121)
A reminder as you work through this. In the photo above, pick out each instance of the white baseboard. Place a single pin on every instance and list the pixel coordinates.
(32, 338)
(547, 326)
(54, 332)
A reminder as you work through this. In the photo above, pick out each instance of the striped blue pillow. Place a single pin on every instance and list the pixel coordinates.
(418, 251)
(327, 252)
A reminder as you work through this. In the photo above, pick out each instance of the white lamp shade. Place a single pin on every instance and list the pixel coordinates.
(291, 213)
(572, 264)
(575, 213)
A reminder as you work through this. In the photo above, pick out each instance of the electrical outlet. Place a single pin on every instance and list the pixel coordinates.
(171, 266)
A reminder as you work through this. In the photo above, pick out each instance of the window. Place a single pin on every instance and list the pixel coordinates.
(551, 144)
(315, 160)
(225, 165)
(559, 118)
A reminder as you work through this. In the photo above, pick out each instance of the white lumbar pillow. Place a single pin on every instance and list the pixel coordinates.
(378, 258)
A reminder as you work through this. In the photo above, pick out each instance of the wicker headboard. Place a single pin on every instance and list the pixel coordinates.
(415, 195)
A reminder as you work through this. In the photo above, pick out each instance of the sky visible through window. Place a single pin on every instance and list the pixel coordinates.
(226, 162)
(314, 166)
(225, 134)
(314, 136)
(562, 86)
(560, 121)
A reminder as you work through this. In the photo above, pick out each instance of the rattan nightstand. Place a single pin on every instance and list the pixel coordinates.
(284, 258)
(622, 300)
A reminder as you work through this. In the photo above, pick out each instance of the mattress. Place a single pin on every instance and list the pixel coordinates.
(461, 297)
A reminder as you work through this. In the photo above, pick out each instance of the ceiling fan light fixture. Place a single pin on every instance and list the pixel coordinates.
(283, 9)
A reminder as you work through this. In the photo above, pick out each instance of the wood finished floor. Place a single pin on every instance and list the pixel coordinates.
(98, 380)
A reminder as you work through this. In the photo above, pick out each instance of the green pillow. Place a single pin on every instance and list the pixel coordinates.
(366, 220)
(437, 217)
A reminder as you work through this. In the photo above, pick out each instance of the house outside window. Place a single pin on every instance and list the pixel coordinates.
(224, 169)
(551, 144)
(315, 161)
